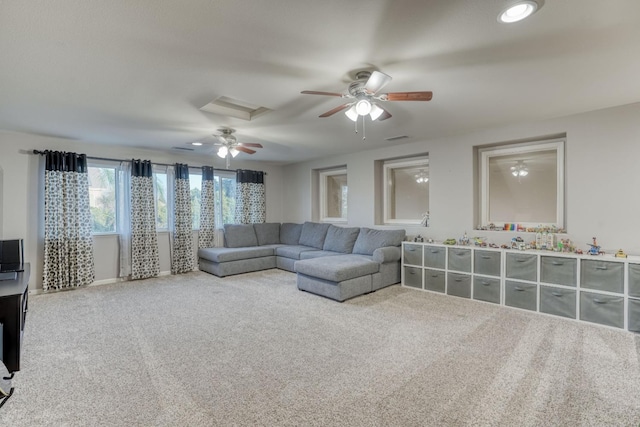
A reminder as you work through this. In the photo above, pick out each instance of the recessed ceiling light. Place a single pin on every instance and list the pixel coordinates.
(196, 143)
(518, 11)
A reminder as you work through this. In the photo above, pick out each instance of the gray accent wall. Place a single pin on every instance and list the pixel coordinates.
(601, 154)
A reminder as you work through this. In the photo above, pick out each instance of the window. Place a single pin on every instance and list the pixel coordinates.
(224, 188)
(406, 191)
(195, 182)
(102, 198)
(522, 184)
(333, 195)
(160, 190)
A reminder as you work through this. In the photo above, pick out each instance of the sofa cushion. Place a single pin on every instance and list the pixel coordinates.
(317, 254)
(340, 239)
(268, 233)
(313, 234)
(239, 235)
(292, 252)
(234, 254)
(337, 268)
(290, 233)
(369, 240)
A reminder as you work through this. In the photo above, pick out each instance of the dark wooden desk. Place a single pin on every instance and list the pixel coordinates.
(13, 312)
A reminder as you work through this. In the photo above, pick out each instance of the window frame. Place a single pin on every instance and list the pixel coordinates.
(116, 182)
(322, 192)
(421, 161)
(485, 155)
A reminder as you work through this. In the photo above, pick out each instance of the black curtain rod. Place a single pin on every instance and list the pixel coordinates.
(128, 160)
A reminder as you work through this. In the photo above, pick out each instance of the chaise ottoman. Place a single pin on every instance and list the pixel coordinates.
(338, 277)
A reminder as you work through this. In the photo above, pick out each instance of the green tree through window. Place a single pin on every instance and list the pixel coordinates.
(102, 199)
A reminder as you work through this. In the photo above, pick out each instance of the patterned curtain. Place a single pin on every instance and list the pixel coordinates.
(206, 235)
(68, 244)
(250, 197)
(145, 261)
(182, 254)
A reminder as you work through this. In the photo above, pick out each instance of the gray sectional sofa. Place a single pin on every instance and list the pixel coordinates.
(335, 262)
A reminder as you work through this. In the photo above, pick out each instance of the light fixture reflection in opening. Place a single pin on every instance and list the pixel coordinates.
(518, 11)
(422, 177)
(519, 170)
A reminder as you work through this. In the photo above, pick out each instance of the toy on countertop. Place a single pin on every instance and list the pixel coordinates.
(480, 241)
(418, 238)
(464, 240)
(449, 242)
(578, 252)
(620, 254)
(595, 248)
(518, 243)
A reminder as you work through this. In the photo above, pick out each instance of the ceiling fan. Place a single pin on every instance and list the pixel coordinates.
(364, 99)
(230, 147)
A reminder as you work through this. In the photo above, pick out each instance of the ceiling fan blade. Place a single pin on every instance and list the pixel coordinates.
(385, 115)
(409, 96)
(315, 92)
(251, 144)
(376, 81)
(337, 109)
(244, 149)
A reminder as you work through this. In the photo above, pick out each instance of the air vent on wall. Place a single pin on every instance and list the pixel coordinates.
(232, 107)
(395, 138)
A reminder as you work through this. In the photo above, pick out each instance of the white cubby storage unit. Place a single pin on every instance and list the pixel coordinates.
(600, 289)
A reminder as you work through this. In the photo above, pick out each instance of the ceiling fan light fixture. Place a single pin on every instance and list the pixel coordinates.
(375, 111)
(222, 152)
(197, 144)
(352, 113)
(233, 152)
(363, 107)
(518, 11)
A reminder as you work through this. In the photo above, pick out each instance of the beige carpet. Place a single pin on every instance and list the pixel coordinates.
(253, 350)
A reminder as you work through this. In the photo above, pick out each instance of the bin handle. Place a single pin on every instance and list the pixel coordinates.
(521, 260)
(599, 301)
(485, 283)
(602, 267)
(557, 294)
(557, 263)
(518, 288)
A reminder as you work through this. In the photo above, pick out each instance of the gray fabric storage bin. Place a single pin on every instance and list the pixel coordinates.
(487, 262)
(413, 277)
(459, 259)
(602, 309)
(521, 295)
(602, 275)
(634, 315)
(434, 280)
(558, 270)
(522, 266)
(634, 280)
(486, 289)
(558, 301)
(459, 285)
(434, 256)
(412, 254)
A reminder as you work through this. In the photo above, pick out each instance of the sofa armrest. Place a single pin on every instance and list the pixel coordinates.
(387, 254)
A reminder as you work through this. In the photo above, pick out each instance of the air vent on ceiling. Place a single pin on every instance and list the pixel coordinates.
(232, 107)
(395, 138)
(182, 148)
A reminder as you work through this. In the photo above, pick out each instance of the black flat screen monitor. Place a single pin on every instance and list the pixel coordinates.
(11, 255)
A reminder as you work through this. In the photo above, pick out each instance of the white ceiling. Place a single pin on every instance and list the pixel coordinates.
(136, 72)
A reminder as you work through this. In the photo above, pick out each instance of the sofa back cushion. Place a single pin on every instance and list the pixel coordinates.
(239, 235)
(369, 240)
(268, 233)
(340, 239)
(313, 234)
(290, 233)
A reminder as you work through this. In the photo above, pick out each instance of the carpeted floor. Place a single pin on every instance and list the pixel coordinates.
(253, 350)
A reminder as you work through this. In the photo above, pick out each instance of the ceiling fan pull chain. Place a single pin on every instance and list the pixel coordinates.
(356, 123)
(364, 132)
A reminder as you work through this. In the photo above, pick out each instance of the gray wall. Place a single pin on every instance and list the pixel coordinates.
(22, 191)
(601, 177)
